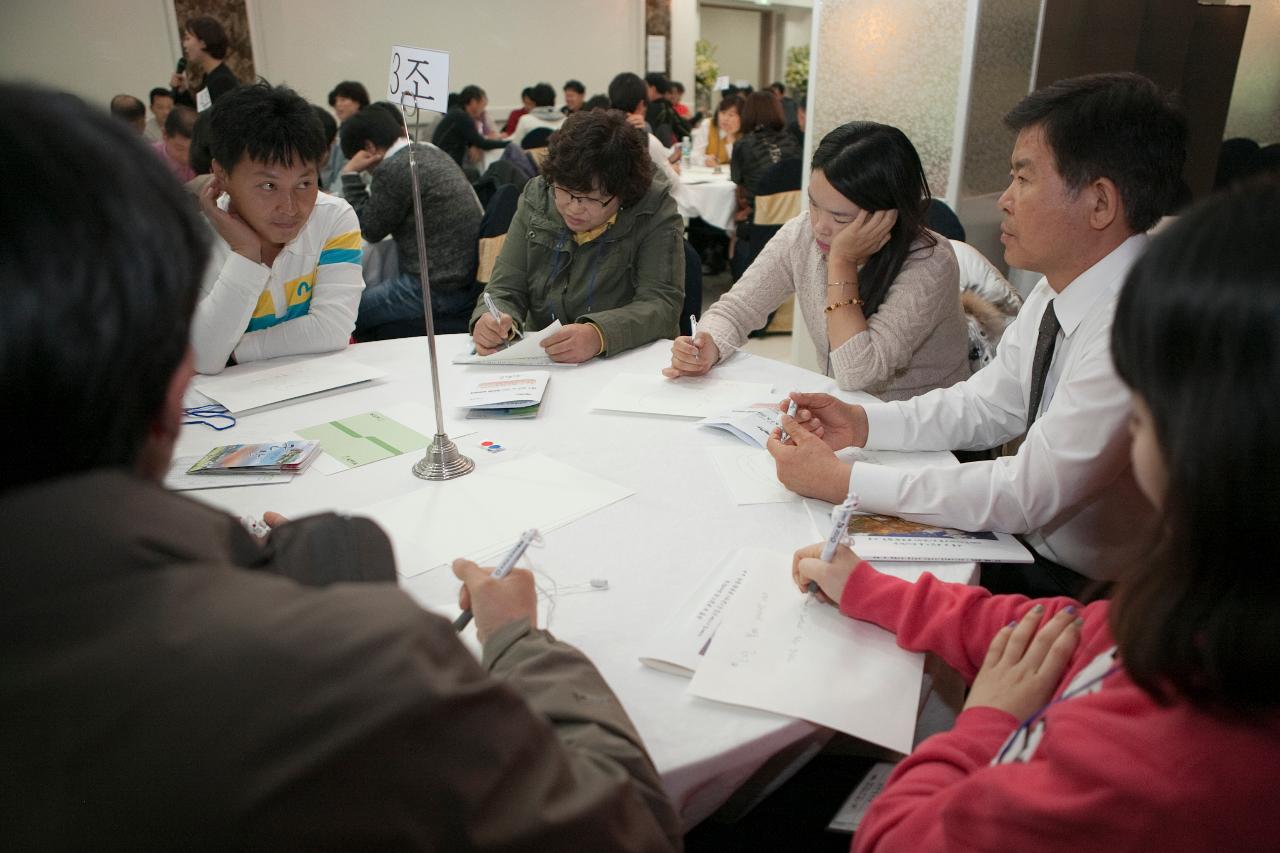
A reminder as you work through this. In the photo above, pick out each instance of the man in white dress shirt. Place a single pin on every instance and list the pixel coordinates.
(1094, 166)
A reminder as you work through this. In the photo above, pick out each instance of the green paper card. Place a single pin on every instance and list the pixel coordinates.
(361, 439)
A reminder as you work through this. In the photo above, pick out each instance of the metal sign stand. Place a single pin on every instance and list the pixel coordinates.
(442, 461)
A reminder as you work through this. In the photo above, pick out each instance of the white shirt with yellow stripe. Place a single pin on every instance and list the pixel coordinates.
(305, 302)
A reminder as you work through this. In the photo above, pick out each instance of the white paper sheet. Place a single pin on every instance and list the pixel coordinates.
(751, 476)
(686, 397)
(524, 352)
(250, 386)
(478, 515)
(782, 651)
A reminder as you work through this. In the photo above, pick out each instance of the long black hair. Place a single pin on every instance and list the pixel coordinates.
(1197, 336)
(876, 167)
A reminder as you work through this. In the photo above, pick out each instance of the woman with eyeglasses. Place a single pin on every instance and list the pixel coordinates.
(596, 244)
(878, 292)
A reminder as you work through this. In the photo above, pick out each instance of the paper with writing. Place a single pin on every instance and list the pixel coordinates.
(753, 424)
(684, 638)
(783, 651)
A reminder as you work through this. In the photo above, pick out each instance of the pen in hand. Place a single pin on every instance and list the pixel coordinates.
(791, 413)
(504, 568)
(497, 316)
(693, 336)
(839, 524)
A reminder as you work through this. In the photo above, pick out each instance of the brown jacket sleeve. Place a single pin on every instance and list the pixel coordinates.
(409, 744)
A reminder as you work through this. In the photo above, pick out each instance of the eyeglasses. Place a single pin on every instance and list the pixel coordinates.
(567, 197)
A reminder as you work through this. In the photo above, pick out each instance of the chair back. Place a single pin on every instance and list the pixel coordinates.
(493, 229)
(778, 193)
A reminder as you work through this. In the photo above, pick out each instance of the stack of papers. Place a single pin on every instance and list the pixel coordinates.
(286, 456)
(526, 352)
(251, 386)
(507, 395)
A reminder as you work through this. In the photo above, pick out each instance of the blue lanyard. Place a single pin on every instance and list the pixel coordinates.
(213, 416)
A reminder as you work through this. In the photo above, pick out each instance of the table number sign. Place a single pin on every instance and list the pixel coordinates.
(419, 78)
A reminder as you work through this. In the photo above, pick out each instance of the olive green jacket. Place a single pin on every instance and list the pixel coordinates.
(629, 281)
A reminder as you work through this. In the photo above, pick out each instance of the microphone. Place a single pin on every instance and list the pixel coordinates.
(182, 64)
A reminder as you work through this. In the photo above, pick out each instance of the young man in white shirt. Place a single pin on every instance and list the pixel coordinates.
(1094, 166)
(285, 276)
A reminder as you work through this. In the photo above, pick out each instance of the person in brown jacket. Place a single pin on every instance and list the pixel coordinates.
(170, 681)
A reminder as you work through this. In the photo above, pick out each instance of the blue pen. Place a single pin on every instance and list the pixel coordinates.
(839, 524)
(504, 568)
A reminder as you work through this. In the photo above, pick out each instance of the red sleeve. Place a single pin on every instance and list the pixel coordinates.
(954, 621)
(929, 777)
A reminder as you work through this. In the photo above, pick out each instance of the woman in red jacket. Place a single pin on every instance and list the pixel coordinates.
(1150, 721)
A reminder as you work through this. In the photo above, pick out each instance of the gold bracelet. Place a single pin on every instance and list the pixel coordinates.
(832, 284)
(831, 308)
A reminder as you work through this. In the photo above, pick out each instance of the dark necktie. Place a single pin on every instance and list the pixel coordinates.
(1045, 341)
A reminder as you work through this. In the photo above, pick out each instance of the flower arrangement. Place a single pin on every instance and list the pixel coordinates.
(705, 72)
(797, 74)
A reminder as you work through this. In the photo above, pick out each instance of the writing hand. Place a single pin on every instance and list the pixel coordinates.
(692, 356)
(490, 335)
(495, 603)
(831, 577)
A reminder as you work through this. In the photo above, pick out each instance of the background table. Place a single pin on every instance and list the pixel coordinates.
(652, 547)
(713, 194)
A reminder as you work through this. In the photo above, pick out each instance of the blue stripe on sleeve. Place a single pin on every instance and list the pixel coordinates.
(339, 256)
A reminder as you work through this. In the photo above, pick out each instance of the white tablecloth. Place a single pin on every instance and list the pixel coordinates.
(651, 547)
(713, 194)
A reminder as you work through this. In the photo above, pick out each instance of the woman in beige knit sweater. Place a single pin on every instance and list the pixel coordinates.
(878, 291)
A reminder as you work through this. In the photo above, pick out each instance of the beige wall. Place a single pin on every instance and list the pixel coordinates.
(97, 49)
(1255, 99)
(736, 35)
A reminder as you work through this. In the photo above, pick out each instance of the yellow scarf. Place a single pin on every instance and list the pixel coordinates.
(717, 147)
(588, 236)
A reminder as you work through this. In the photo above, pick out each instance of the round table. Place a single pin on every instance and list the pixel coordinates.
(713, 193)
(652, 547)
